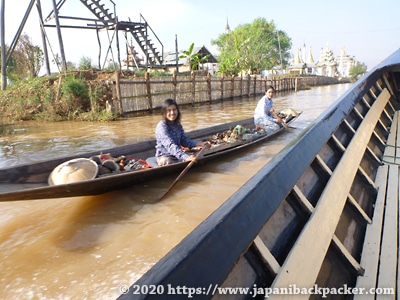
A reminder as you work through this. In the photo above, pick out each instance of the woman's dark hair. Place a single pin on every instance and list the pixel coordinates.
(164, 110)
(270, 87)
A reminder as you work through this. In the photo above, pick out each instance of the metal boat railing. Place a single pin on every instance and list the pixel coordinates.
(301, 220)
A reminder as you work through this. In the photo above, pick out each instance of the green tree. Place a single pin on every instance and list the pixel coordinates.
(85, 63)
(253, 47)
(356, 71)
(11, 68)
(25, 61)
(70, 66)
(195, 59)
(29, 57)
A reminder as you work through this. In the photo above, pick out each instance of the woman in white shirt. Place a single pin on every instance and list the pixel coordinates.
(264, 115)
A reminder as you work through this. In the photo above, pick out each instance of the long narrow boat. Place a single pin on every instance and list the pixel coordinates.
(33, 181)
(319, 220)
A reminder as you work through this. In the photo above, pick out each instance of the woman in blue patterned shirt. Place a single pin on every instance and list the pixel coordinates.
(171, 137)
(264, 114)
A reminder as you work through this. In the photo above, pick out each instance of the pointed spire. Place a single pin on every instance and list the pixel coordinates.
(227, 28)
(297, 60)
(310, 57)
(343, 52)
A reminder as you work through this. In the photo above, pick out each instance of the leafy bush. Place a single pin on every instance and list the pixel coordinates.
(76, 93)
(75, 87)
(85, 63)
(357, 71)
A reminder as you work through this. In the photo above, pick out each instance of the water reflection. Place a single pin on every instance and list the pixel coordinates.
(88, 247)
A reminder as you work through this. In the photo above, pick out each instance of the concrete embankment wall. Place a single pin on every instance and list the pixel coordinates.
(147, 94)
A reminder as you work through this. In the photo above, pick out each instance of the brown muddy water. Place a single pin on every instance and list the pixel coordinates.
(92, 247)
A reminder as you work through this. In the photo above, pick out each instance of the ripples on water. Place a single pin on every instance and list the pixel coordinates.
(88, 247)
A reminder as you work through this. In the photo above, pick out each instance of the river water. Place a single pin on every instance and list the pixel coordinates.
(91, 247)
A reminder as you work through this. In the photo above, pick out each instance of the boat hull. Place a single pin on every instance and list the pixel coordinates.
(29, 182)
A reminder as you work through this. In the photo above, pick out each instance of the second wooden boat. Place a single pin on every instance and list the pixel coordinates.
(31, 181)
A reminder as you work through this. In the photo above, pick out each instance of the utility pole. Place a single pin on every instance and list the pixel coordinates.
(280, 51)
(176, 54)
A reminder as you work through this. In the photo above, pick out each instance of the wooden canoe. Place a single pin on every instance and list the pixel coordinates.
(320, 220)
(30, 181)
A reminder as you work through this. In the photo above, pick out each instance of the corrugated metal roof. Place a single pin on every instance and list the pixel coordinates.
(170, 57)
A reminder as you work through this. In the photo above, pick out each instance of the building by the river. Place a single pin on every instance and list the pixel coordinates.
(345, 62)
(327, 64)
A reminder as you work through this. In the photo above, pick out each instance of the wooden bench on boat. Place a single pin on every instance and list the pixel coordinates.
(306, 257)
(380, 252)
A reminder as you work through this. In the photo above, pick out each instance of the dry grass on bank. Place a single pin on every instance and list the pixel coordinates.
(73, 96)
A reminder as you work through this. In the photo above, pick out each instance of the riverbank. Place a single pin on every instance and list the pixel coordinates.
(106, 96)
(73, 96)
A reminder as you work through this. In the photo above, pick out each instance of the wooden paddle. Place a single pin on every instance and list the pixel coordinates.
(277, 117)
(182, 173)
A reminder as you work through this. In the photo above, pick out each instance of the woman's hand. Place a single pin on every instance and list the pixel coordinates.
(206, 145)
(275, 115)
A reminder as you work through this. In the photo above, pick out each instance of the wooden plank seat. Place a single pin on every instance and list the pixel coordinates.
(380, 252)
(306, 257)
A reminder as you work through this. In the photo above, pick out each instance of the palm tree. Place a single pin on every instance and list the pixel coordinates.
(195, 59)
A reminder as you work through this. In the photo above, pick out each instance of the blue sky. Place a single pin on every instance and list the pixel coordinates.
(367, 30)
